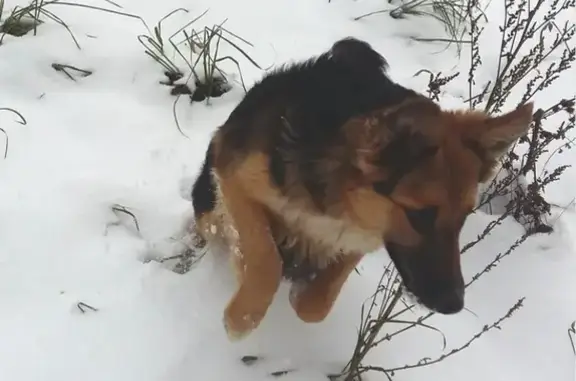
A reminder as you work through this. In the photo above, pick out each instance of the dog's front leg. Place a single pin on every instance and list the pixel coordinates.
(256, 260)
(313, 301)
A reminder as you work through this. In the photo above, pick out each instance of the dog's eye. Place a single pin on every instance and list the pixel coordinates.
(422, 220)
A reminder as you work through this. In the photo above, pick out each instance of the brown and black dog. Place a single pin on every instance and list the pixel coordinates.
(327, 160)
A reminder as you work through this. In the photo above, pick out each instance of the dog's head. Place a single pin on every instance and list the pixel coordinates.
(416, 174)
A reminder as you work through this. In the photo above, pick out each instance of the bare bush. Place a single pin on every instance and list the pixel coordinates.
(197, 53)
(527, 41)
(23, 20)
(452, 15)
(530, 39)
(192, 59)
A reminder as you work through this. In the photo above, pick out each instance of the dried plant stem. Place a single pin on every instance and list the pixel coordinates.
(427, 362)
(21, 121)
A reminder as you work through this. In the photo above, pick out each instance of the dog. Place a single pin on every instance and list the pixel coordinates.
(326, 160)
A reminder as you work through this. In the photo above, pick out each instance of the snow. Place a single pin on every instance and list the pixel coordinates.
(110, 138)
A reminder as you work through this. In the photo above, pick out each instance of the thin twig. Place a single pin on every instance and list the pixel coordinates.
(83, 306)
(572, 336)
(427, 362)
(123, 209)
(22, 121)
(64, 69)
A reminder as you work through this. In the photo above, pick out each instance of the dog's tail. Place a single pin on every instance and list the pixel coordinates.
(358, 55)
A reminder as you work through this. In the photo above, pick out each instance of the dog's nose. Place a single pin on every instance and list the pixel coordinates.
(450, 302)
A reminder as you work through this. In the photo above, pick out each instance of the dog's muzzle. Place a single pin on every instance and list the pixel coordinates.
(432, 273)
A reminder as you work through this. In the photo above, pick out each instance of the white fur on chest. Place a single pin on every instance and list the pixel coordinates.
(324, 233)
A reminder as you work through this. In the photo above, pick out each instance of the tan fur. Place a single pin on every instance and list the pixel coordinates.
(312, 302)
(257, 262)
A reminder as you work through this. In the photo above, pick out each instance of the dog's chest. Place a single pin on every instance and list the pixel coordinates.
(319, 238)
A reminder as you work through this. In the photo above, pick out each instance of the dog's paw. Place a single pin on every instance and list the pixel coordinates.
(239, 322)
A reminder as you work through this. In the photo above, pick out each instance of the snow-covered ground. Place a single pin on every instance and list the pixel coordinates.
(111, 139)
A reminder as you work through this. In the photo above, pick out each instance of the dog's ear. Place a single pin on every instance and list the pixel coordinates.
(497, 134)
(501, 132)
(392, 140)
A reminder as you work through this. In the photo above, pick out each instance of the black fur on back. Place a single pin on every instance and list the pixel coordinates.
(317, 96)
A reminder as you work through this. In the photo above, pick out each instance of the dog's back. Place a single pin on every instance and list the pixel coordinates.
(315, 97)
(302, 104)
